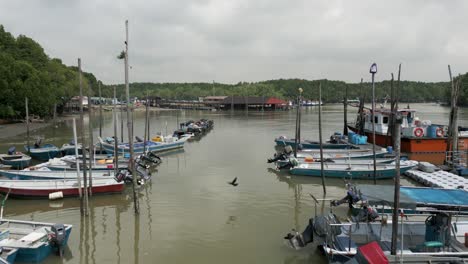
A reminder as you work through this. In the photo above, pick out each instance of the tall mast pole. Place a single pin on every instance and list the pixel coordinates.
(116, 141)
(320, 139)
(131, 164)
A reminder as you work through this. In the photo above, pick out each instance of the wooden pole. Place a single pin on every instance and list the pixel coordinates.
(320, 140)
(78, 176)
(345, 112)
(296, 143)
(91, 142)
(392, 117)
(396, 198)
(84, 201)
(146, 124)
(131, 164)
(300, 117)
(450, 126)
(116, 140)
(121, 121)
(55, 115)
(27, 121)
(397, 92)
(100, 114)
(373, 128)
(362, 99)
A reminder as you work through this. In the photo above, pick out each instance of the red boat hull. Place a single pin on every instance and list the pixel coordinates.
(421, 149)
(68, 192)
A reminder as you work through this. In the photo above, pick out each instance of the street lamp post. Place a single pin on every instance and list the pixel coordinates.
(373, 71)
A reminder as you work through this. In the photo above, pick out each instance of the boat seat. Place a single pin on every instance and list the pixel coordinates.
(343, 242)
(32, 237)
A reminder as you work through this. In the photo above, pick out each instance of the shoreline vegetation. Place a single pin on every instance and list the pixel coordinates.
(27, 72)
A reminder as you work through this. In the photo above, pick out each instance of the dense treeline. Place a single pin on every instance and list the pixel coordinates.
(332, 91)
(26, 71)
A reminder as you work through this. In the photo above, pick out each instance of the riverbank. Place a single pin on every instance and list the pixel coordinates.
(10, 130)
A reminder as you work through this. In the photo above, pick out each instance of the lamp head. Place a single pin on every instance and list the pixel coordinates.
(373, 68)
(300, 90)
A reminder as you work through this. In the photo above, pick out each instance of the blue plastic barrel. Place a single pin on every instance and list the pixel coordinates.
(390, 149)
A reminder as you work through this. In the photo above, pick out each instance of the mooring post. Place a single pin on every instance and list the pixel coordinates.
(373, 71)
(77, 161)
(91, 142)
(345, 112)
(27, 122)
(397, 127)
(116, 141)
(84, 201)
(131, 162)
(320, 140)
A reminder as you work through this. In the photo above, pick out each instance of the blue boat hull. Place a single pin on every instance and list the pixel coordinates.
(43, 153)
(38, 254)
(17, 164)
(361, 175)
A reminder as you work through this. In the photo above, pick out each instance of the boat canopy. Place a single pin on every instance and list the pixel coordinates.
(413, 197)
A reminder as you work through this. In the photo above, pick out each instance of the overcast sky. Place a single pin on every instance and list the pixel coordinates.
(249, 40)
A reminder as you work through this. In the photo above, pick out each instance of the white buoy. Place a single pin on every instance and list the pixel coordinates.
(55, 195)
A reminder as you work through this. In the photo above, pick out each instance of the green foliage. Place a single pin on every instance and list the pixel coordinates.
(26, 71)
(332, 91)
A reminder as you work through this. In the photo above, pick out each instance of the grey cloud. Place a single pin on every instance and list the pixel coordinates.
(242, 40)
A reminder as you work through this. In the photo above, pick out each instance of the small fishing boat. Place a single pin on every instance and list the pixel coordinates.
(309, 144)
(69, 148)
(8, 255)
(45, 152)
(68, 163)
(28, 241)
(16, 160)
(307, 160)
(46, 174)
(67, 187)
(383, 171)
(439, 238)
(157, 144)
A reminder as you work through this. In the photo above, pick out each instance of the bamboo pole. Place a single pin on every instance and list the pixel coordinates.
(78, 176)
(345, 112)
(390, 129)
(320, 140)
(55, 115)
(121, 120)
(396, 198)
(116, 141)
(296, 129)
(100, 115)
(91, 142)
(130, 125)
(26, 103)
(84, 201)
(300, 117)
(450, 126)
(146, 124)
(373, 122)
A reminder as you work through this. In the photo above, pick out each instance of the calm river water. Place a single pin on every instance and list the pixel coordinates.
(189, 214)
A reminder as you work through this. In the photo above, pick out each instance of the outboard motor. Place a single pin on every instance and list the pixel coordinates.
(57, 237)
(38, 142)
(297, 240)
(12, 150)
(123, 175)
(72, 142)
(139, 139)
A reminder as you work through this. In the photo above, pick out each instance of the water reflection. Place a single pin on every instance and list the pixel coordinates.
(136, 239)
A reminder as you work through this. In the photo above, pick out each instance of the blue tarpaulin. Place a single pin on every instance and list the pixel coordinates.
(412, 197)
